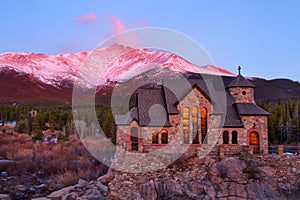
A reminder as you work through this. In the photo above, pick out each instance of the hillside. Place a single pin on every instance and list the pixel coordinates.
(22, 88)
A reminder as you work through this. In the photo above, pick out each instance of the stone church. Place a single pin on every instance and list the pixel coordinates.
(161, 113)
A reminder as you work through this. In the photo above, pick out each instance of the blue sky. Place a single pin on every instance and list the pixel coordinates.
(261, 36)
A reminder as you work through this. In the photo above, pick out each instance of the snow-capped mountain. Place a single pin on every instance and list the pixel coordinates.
(30, 77)
(122, 64)
(48, 69)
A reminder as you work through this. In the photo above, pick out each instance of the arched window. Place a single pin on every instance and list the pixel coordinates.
(195, 125)
(134, 139)
(154, 137)
(225, 137)
(234, 139)
(164, 137)
(203, 125)
(254, 141)
(186, 124)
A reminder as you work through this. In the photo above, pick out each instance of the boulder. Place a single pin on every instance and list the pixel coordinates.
(102, 188)
(105, 179)
(173, 188)
(82, 183)
(40, 198)
(93, 194)
(223, 191)
(147, 191)
(57, 195)
(252, 191)
(234, 166)
(4, 197)
(196, 188)
(70, 196)
(269, 171)
(209, 188)
(232, 189)
(237, 190)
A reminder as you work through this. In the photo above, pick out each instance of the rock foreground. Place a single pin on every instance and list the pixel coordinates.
(244, 177)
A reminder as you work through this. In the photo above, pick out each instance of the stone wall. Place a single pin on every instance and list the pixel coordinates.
(261, 127)
(240, 132)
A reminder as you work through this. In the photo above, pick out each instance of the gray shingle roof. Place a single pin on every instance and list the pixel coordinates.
(175, 90)
(250, 109)
(152, 108)
(240, 81)
(232, 118)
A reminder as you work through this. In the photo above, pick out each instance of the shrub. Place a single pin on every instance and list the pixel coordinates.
(37, 131)
(38, 136)
(63, 137)
(63, 163)
(66, 178)
(21, 127)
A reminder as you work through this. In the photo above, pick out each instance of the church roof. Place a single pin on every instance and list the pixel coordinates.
(232, 117)
(152, 108)
(250, 109)
(240, 81)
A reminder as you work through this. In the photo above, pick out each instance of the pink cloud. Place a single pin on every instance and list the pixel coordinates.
(89, 17)
(118, 25)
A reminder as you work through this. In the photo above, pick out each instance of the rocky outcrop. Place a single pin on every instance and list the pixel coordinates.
(83, 190)
(244, 177)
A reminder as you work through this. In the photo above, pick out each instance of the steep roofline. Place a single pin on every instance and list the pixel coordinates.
(200, 90)
(240, 81)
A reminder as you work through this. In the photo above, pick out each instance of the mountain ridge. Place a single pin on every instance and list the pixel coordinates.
(51, 69)
(27, 77)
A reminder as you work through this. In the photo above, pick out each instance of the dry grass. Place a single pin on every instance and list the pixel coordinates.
(62, 164)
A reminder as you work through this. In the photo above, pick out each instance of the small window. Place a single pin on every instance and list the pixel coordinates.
(225, 137)
(134, 139)
(154, 137)
(164, 137)
(244, 92)
(234, 137)
(186, 124)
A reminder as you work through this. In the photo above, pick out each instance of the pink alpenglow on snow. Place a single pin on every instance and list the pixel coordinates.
(53, 69)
